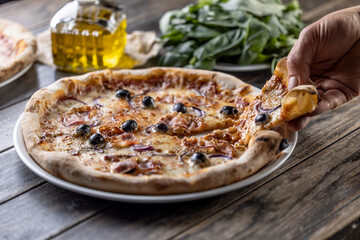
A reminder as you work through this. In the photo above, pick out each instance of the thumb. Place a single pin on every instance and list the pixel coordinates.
(300, 58)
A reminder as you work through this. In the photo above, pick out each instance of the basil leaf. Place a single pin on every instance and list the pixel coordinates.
(219, 44)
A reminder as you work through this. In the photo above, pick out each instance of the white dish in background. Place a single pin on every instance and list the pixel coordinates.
(30, 163)
(16, 76)
(228, 67)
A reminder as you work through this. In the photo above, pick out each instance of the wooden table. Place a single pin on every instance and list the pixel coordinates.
(315, 194)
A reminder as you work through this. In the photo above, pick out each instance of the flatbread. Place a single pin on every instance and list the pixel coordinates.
(17, 48)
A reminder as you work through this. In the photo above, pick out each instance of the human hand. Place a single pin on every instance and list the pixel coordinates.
(328, 53)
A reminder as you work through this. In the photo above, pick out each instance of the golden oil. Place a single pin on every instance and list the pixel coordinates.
(88, 35)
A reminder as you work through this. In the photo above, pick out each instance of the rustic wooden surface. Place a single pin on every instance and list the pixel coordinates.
(314, 195)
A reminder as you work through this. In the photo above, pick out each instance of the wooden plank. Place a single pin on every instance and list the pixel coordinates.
(34, 13)
(315, 11)
(37, 77)
(44, 212)
(15, 178)
(171, 220)
(332, 227)
(295, 202)
(7, 123)
(37, 13)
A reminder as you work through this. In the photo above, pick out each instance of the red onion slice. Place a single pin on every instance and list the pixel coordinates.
(72, 99)
(260, 109)
(112, 157)
(96, 102)
(199, 93)
(100, 150)
(198, 111)
(142, 148)
(163, 155)
(181, 157)
(220, 156)
(95, 123)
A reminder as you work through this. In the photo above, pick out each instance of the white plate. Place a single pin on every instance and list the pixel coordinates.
(16, 76)
(27, 159)
(228, 67)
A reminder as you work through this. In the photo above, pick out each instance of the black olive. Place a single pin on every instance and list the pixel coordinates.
(97, 139)
(198, 158)
(283, 144)
(261, 118)
(129, 125)
(179, 107)
(122, 93)
(228, 110)
(148, 102)
(83, 130)
(161, 127)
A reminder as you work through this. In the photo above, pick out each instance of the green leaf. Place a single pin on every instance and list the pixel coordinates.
(187, 47)
(205, 64)
(174, 59)
(258, 36)
(276, 28)
(197, 31)
(165, 21)
(219, 44)
(259, 8)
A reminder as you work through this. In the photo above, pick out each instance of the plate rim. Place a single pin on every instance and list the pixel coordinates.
(229, 67)
(16, 75)
(21, 150)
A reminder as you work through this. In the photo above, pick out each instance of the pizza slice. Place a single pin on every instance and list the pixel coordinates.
(17, 48)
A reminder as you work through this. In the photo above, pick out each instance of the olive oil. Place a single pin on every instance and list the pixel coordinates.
(88, 35)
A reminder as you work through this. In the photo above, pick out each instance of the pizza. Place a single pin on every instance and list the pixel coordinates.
(160, 130)
(17, 48)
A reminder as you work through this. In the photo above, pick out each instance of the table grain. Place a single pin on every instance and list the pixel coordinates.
(314, 195)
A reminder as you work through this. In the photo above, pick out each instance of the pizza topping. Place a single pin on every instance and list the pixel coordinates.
(184, 124)
(83, 130)
(70, 98)
(228, 111)
(220, 156)
(122, 93)
(110, 131)
(179, 107)
(129, 125)
(262, 119)
(260, 109)
(198, 111)
(142, 148)
(283, 144)
(96, 102)
(148, 167)
(126, 166)
(148, 102)
(117, 157)
(97, 139)
(161, 127)
(199, 159)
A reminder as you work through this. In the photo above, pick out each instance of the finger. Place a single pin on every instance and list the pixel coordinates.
(328, 84)
(298, 123)
(329, 100)
(300, 57)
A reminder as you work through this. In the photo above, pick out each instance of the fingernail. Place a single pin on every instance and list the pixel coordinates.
(293, 82)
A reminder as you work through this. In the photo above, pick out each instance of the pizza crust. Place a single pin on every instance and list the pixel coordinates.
(299, 101)
(26, 45)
